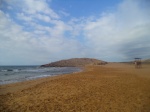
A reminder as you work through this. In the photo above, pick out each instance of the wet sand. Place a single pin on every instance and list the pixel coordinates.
(114, 87)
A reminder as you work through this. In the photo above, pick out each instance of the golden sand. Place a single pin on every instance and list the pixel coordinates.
(109, 88)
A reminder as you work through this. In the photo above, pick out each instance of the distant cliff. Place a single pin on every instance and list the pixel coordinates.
(75, 62)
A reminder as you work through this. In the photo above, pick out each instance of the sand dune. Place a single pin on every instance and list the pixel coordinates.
(111, 88)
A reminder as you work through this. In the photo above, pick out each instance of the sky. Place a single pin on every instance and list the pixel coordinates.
(35, 32)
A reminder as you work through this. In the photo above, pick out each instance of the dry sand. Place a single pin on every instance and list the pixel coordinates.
(110, 88)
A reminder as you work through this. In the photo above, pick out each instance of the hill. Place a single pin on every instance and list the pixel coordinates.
(75, 62)
(146, 61)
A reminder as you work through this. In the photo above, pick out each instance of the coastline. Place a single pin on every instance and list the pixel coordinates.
(14, 74)
(18, 86)
(112, 87)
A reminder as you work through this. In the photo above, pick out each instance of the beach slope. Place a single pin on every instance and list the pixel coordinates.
(114, 87)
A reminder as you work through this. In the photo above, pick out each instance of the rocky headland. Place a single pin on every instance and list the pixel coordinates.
(75, 62)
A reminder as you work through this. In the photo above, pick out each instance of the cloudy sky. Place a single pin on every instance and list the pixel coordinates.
(41, 31)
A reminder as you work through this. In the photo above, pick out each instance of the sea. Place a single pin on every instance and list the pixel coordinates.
(12, 74)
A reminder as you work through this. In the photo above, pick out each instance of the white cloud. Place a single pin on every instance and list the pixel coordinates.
(22, 16)
(38, 6)
(111, 31)
(43, 36)
(33, 7)
(63, 13)
(39, 46)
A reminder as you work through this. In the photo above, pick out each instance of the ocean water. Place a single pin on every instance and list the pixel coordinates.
(11, 74)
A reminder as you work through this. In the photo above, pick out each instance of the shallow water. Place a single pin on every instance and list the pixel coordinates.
(11, 74)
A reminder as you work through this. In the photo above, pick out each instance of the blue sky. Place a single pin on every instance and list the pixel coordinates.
(41, 31)
(84, 8)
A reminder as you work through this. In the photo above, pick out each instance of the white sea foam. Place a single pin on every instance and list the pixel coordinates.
(11, 74)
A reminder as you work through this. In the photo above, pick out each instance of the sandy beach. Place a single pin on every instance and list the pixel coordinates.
(115, 87)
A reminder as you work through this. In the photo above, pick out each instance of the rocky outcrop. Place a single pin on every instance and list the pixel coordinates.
(75, 62)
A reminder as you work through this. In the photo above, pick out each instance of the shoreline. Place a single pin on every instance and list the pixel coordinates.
(18, 86)
(36, 75)
(112, 87)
